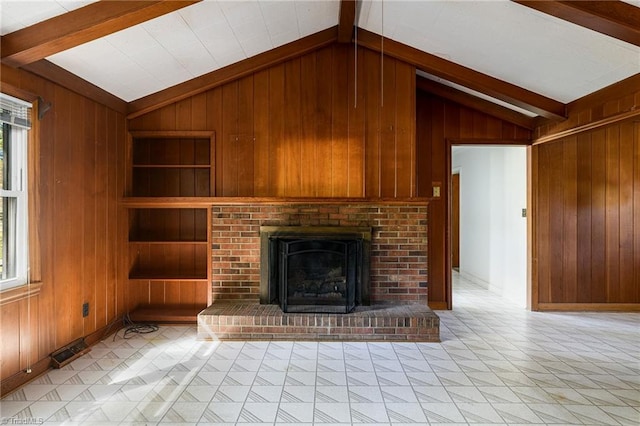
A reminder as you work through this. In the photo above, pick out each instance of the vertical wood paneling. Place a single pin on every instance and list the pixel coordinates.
(168, 117)
(373, 134)
(388, 141)
(65, 240)
(113, 193)
(172, 292)
(356, 111)
(184, 114)
(323, 134)
(634, 293)
(405, 130)
(199, 112)
(29, 315)
(102, 148)
(308, 142)
(47, 126)
(123, 301)
(244, 149)
(214, 121)
(584, 213)
(228, 155)
(79, 183)
(597, 173)
(569, 219)
(612, 218)
(340, 143)
(423, 144)
(556, 220)
(466, 124)
(626, 273)
(295, 129)
(543, 215)
(91, 202)
(9, 350)
(291, 139)
(276, 157)
(262, 145)
(437, 208)
(598, 203)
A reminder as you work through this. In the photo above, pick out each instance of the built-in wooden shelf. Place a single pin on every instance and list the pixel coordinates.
(166, 314)
(169, 250)
(172, 242)
(171, 166)
(141, 276)
(202, 202)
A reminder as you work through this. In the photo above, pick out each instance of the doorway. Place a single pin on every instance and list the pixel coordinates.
(490, 208)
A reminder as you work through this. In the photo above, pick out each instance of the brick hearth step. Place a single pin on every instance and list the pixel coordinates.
(253, 321)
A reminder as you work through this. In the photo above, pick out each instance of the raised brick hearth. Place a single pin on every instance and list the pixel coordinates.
(398, 275)
(252, 321)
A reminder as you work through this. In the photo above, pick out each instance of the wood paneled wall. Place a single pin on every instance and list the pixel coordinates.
(587, 192)
(588, 231)
(79, 183)
(308, 127)
(303, 128)
(440, 123)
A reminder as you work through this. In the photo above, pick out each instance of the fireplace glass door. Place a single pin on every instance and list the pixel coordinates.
(317, 275)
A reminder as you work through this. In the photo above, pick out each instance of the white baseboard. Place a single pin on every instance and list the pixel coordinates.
(475, 280)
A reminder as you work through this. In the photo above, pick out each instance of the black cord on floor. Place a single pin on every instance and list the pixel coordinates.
(132, 328)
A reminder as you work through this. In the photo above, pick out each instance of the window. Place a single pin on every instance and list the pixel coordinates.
(14, 118)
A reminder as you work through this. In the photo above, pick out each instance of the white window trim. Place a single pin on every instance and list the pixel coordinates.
(18, 139)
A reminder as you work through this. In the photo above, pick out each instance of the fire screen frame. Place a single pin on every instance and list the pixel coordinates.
(270, 280)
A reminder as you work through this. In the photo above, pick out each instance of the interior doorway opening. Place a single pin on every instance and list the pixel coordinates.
(488, 219)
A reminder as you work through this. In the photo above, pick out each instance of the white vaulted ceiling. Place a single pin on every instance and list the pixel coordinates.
(18, 14)
(508, 41)
(193, 41)
(503, 39)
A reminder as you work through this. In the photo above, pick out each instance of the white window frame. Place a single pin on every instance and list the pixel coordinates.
(19, 184)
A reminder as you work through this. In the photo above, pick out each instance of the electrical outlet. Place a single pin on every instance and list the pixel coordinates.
(85, 310)
(436, 191)
(524, 212)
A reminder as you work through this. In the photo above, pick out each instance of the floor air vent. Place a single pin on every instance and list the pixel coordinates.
(65, 355)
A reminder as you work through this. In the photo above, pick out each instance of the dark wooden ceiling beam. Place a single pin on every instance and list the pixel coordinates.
(614, 18)
(496, 88)
(347, 20)
(80, 26)
(470, 101)
(232, 72)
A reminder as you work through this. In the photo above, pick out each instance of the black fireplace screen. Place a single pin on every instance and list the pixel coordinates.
(317, 275)
(315, 269)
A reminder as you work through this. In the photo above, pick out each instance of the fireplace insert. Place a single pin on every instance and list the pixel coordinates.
(316, 269)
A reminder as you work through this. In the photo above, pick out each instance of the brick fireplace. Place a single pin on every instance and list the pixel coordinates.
(398, 246)
(398, 276)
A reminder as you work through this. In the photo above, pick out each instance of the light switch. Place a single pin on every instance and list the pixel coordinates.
(436, 191)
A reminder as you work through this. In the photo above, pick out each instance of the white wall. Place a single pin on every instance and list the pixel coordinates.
(493, 233)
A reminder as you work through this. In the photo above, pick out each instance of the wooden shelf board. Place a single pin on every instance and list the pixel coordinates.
(142, 277)
(169, 242)
(204, 202)
(167, 202)
(171, 166)
(166, 314)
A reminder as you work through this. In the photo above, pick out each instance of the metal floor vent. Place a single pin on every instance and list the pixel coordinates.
(65, 355)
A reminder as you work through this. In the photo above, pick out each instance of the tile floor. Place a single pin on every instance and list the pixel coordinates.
(496, 365)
